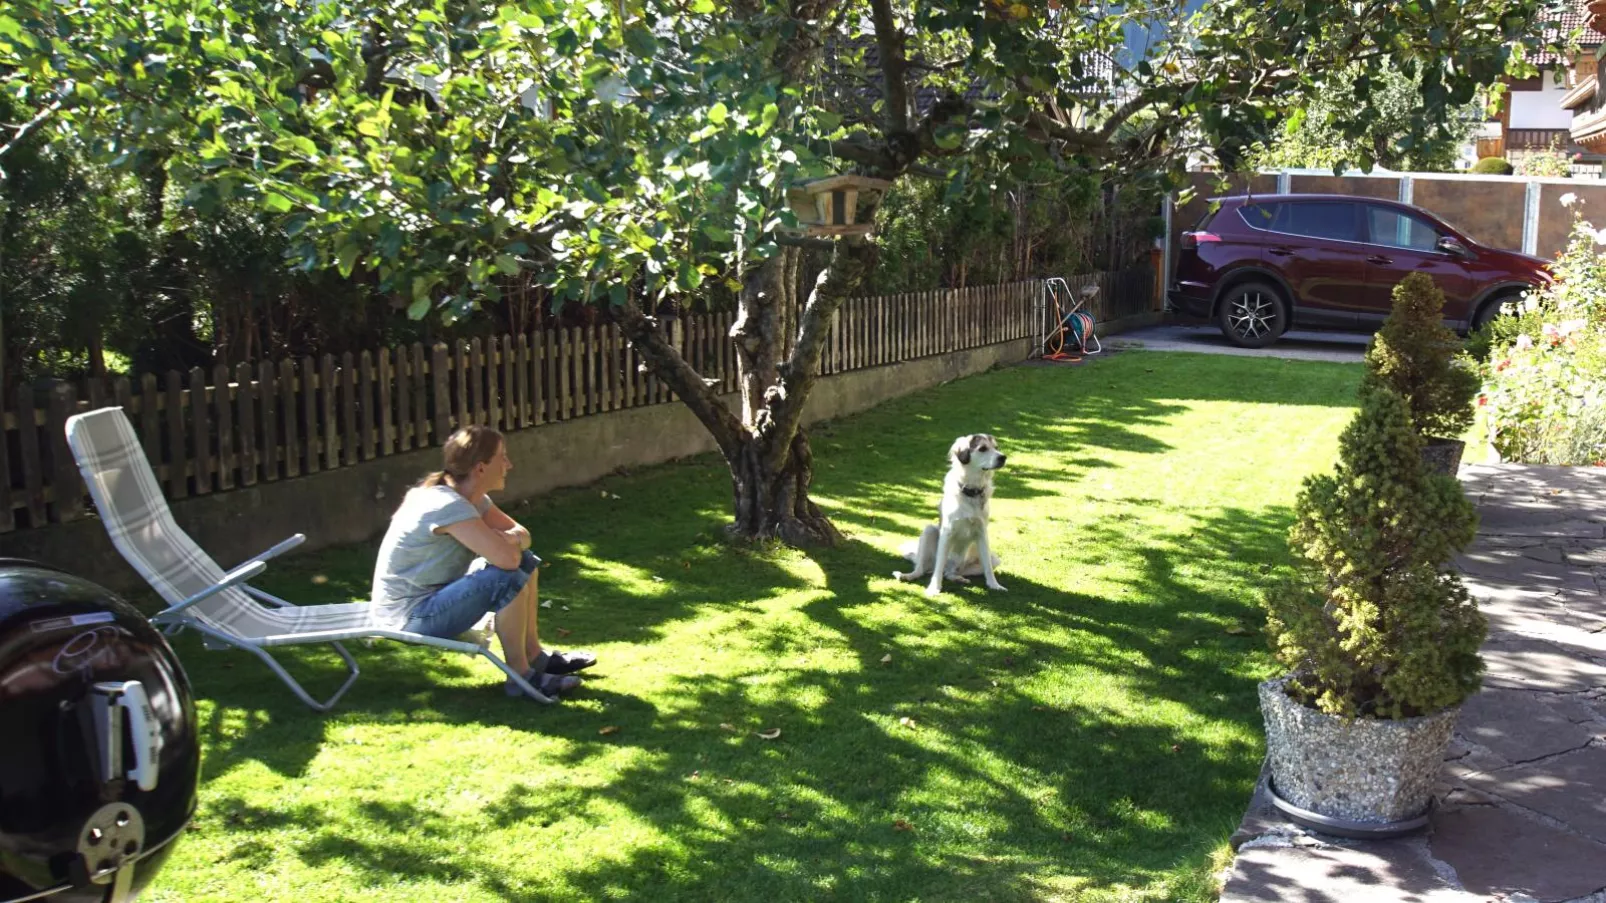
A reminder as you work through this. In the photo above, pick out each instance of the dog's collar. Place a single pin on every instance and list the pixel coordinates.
(972, 491)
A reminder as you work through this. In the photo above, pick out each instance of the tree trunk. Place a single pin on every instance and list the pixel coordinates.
(765, 447)
(774, 503)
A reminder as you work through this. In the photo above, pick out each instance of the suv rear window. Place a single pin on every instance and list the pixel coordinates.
(1259, 216)
(1312, 219)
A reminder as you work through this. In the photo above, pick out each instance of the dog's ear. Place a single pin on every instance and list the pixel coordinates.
(960, 450)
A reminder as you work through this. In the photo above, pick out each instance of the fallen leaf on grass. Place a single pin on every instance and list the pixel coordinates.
(906, 721)
(1237, 630)
(727, 727)
(562, 632)
(1039, 708)
(547, 604)
(773, 733)
(610, 729)
(886, 659)
(901, 825)
(1176, 747)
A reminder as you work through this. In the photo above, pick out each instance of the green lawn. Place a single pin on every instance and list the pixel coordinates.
(1091, 735)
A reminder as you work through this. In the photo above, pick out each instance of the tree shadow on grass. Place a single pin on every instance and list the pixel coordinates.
(1018, 775)
(1061, 738)
(668, 530)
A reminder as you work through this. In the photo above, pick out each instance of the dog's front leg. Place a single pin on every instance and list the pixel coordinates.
(939, 562)
(986, 555)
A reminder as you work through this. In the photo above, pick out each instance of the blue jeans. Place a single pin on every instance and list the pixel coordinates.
(459, 605)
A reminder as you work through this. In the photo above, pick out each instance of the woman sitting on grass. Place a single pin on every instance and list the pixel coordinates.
(428, 569)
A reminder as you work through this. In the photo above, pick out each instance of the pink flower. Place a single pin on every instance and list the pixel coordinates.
(1524, 343)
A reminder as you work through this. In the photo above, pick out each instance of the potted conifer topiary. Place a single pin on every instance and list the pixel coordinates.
(1379, 635)
(1420, 358)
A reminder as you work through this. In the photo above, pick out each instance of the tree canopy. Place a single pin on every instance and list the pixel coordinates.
(636, 152)
(648, 143)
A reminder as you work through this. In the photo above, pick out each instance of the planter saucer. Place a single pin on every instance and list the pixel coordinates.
(1343, 827)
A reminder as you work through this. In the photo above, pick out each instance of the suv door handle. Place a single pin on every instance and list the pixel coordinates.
(1281, 251)
(1380, 260)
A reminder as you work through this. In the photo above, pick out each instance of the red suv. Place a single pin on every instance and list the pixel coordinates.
(1258, 264)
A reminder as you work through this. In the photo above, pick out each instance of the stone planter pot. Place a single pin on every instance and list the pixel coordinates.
(1359, 777)
(1443, 456)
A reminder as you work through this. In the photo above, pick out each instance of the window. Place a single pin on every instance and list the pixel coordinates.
(1316, 219)
(1401, 230)
(1259, 216)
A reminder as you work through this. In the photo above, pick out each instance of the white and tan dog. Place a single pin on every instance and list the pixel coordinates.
(959, 539)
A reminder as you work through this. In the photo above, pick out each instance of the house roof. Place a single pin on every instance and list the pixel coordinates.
(1577, 16)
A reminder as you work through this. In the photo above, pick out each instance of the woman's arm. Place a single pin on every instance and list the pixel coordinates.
(493, 545)
(507, 526)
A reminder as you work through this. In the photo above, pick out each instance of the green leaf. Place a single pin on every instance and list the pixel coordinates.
(507, 264)
(275, 202)
(766, 119)
(418, 307)
(346, 259)
(718, 113)
(702, 7)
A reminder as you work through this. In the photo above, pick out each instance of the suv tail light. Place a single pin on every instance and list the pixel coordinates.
(1192, 240)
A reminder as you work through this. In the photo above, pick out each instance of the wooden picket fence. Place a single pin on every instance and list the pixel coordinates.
(219, 429)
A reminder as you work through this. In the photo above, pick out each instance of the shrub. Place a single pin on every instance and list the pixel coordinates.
(1551, 163)
(1374, 624)
(1418, 357)
(1493, 166)
(1545, 376)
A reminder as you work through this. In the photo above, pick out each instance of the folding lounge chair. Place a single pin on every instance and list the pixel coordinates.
(221, 606)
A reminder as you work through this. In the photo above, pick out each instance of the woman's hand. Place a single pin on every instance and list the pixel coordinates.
(518, 537)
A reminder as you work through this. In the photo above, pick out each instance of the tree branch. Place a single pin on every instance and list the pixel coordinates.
(783, 411)
(35, 122)
(669, 366)
(894, 68)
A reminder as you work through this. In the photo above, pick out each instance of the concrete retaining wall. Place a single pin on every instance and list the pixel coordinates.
(354, 504)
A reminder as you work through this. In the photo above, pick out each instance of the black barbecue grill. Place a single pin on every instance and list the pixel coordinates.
(99, 761)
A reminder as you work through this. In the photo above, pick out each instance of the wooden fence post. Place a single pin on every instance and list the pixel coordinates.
(267, 395)
(508, 398)
(8, 520)
(245, 417)
(327, 391)
(365, 406)
(309, 415)
(288, 397)
(439, 378)
(33, 482)
(387, 439)
(201, 431)
(521, 380)
(421, 396)
(223, 408)
(65, 479)
(177, 448)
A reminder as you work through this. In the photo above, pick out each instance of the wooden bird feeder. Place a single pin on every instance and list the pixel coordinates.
(828, 207)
